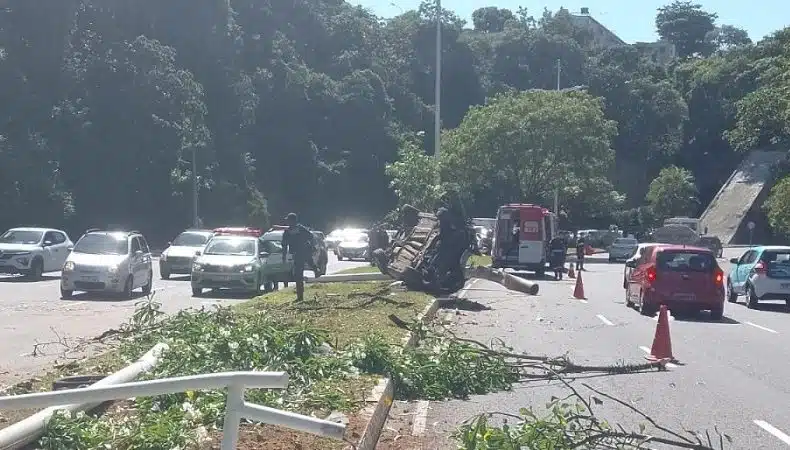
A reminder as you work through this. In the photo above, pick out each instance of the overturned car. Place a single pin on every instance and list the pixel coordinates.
(430, 251)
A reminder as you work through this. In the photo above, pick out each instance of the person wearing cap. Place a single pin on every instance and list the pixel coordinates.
(299, 241)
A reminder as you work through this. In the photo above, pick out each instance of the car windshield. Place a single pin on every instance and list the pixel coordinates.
(102, 244)
(188, 239)
(355, 237)
(238, 247)
(680, 261)
(625, 241)
(276, 236)
(21, 237)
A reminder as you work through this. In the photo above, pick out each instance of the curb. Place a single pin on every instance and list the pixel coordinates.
(384, 393)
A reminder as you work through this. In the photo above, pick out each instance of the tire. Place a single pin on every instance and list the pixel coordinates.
(128, 291)
(645, 309)
(732, 296)
(752, 302)
(717, 313)
(164, 274)
(36, 271)
(628, 302)
(268, 286)
(197, 292)
(150, 286)
(66, 294)
(256, 291)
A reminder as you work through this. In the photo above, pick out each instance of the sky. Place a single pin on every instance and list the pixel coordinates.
(631, 20)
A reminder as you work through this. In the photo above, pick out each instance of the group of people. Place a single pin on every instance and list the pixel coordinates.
(558, 249)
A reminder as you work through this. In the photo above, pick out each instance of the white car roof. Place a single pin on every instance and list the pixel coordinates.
(35, 229)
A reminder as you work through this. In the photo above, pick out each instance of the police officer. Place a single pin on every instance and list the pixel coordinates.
(580, 244)
(299, 241)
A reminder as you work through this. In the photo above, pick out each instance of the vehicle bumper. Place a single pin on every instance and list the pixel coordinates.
(15, 265)
(771, 288)
(697, 304)
(615, 256)
(92, 282)
(353, 253)
(234, 281)
(180, 266)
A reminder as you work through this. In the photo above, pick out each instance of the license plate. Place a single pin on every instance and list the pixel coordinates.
(684, 297)
(222, 277)
(785, 285)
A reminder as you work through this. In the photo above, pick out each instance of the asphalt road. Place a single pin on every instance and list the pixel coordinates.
(32, 312)
(732, 374)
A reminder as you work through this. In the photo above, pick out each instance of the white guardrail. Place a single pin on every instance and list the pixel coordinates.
(235, 408)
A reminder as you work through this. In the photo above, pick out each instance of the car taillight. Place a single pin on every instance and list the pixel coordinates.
(719, 277)
(760, 267)
(651, 274)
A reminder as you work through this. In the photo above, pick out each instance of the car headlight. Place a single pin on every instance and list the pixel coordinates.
(68, 266)
(113, 269)
(197, 267)
(248, 268)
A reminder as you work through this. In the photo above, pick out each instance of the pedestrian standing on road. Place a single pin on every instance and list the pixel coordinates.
(580, 244)
(299, 241)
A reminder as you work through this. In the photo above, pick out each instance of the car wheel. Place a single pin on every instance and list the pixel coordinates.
(732, 296)
(66, 294)
(150, 285)
(257, 289)
(197, 292)
(751, 298)
(36, 271)
(717, 313)
(268, 286)
(164, 274)
(128, 288)
(644, 308)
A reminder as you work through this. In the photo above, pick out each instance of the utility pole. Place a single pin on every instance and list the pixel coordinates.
(437, 126)
(557, 190)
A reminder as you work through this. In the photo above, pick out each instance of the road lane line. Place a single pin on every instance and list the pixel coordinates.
(773, 430)
(465, 290)
(604, 320)
(420, 418)
(762, 327)
(69, 304)
(647, 350)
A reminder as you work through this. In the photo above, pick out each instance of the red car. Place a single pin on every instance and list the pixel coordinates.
(681, 277)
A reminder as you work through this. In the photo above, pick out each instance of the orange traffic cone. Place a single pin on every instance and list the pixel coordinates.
(662, 344)
(578, 291)
(571, 273)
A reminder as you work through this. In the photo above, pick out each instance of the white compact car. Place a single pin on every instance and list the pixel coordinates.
(180, 254)
(108, 261)
(33, 251)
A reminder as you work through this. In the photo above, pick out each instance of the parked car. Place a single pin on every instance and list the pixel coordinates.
(681, 277)
(320, 252)
(761, 273)
(108, 261)
(713, 243)
(353, 246)
(178, 257)
(231, 260)
(33, 251)
(622, 249)
(628, 268)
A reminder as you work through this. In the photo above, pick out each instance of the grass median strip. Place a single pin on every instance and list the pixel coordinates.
(361, 269)
(316, 341)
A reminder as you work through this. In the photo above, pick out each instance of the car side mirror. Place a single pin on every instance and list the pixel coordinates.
(198, 252)
(169, 243)
(138, 253)
(631, 264)
(70, 249)
(47, 243)
(734, 260)
(263, 254)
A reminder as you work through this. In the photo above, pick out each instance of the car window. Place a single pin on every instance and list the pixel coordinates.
(144, 244)
(189, 239)
(101, 244)
(60, 237)
(683, 261)
(231, 246)
(625, 241)
(750, 257)
(21, 237)
(776, 256)
(136, 245)
(50, 236)
(271, 246)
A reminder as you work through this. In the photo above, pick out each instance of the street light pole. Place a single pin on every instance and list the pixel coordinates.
(557, 190)
(195, 217)
(437, 126)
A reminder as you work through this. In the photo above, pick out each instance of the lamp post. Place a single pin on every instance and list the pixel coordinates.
(195, 216)
(437, 126)
(556, 189)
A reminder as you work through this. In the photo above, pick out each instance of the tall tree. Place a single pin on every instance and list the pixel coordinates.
(686, 25)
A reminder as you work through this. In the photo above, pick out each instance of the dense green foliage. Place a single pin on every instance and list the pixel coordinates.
(301, 105)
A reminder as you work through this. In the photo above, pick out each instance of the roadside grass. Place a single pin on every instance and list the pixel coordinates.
(480, 260)
(315, 341)
(361, 269)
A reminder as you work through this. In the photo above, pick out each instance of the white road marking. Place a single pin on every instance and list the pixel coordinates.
(762, 327)
(465, 290)
(69, 304)
(773, 430)
(604, 320)
(420, 418)
(647, 350)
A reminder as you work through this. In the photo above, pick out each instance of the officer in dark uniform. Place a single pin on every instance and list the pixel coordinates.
(299, 241)
(580, 244)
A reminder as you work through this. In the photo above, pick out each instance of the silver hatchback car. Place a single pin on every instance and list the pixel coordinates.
(108, 261)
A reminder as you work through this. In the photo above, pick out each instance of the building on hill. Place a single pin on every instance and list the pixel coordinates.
(661, 52)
